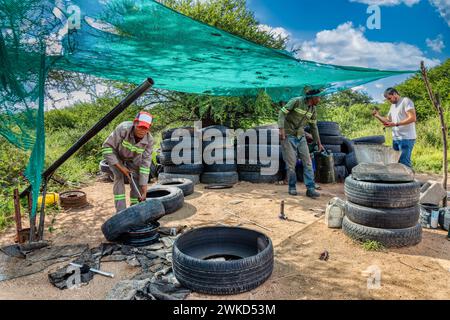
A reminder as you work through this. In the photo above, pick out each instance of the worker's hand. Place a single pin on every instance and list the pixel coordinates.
(143, 193)
(321, 147)
(308, 136)
(124, 171)
(282, 135)
(375, 112)
(389, 124)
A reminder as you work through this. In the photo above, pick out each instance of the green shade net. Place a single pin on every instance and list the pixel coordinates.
(129, 41)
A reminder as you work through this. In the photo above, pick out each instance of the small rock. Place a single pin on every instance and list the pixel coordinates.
(132, 261)
(154, 247)
(126, 290)
(234, 202)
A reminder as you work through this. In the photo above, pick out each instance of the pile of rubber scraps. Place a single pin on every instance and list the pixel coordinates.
(155, 281)
(23, 260)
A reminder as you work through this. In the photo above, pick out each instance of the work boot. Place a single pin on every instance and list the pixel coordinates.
(312, 193)
(292, 180)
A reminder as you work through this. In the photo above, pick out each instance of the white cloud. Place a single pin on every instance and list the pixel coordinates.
(443, 6)
(277, 31)
(409, 3)
(359, 88)
(347, 45)
(379, 85)
(437, 44)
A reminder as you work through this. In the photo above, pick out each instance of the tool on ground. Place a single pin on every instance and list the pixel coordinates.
(282, 216)
(250, 221)
(103, 273)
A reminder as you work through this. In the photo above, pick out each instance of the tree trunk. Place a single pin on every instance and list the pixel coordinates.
(437, 105)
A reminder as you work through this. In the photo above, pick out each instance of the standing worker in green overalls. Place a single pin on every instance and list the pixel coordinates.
(292, 119)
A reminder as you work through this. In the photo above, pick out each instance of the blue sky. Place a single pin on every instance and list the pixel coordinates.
(335, 31)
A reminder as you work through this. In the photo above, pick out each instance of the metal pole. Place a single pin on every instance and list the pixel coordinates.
(42, 215)
(125, 103)
(17, 216)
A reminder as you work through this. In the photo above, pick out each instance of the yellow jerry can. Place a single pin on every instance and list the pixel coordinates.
(51, 198)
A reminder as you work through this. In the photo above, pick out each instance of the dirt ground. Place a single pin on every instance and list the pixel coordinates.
(420, 272)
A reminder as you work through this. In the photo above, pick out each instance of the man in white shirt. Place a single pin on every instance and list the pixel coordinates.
(402, 119)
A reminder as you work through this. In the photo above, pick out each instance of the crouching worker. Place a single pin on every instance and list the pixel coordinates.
(292, 119)
(128, 151)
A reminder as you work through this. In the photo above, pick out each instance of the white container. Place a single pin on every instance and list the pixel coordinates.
(334, 214)
(435, 219)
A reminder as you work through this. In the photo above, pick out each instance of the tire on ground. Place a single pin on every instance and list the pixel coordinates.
(339, 158)
(331, 139)
(390, 238)
(350, 161)
(340, 173)
(397, 218)
(168, 133)
(370, 140)
(171, 198)
(221, 167)
(219, 178)
(167, 159)
(256, 177)
(334, 148)
(169, 144)
(249, 263)
(195, 178)
(347, 146)
(186, 185)
(185, 169)
(328, 128)
(133, 217)
(382, 195)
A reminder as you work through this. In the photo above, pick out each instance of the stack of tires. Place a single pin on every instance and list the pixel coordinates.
(338, 145)
(137, 225)
(190, 167)
(385, 212)
(251, 162)
(219, 157)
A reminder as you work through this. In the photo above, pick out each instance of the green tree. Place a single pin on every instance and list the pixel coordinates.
(232, 16)
(414, 88)
(346, 98)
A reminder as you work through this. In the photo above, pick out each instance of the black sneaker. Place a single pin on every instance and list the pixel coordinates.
(312, 193)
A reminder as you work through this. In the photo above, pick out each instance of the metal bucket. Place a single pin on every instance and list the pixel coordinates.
(370, 153)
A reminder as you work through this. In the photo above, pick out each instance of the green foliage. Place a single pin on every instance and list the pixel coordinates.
(234, 17)
(414, 88)
(346, 98)
(370, 245)
(229, 15)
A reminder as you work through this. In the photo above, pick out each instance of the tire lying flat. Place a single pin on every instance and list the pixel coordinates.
(186, 185)
(370, 140)
(220, 178)
(248, 260)
(171, 198)
(390, 238)
(195, 178)
(185, 169)
(397, 218)
(382, 195)
(133, 217)
(257, 177)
